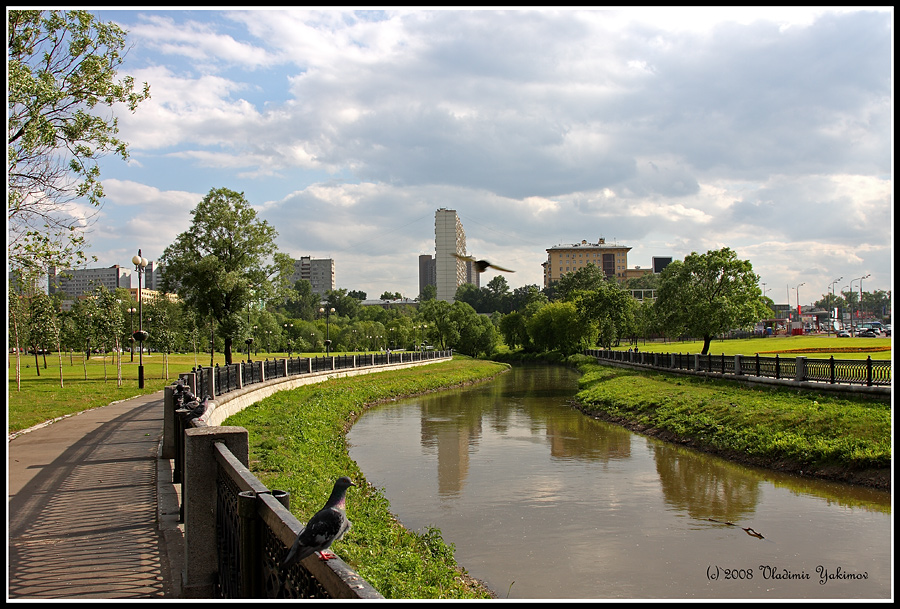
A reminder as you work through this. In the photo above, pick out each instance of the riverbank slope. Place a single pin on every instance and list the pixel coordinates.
(800, 432)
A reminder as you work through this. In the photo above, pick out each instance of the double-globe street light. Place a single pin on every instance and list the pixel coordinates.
(327, 313)
(833, 306)
(140, 264)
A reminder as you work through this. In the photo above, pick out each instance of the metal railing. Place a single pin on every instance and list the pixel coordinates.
(231, 377)
(868, 372)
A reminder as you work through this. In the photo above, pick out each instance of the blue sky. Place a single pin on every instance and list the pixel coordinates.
(666, 130)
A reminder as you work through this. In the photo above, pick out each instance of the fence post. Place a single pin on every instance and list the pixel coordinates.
(738, 366)
(168, 442)
(831, 368)
(869, 371)
(249, 548)
(757, 364)
(210, 388)
(800, 375)
(199, 498)
(777, 367)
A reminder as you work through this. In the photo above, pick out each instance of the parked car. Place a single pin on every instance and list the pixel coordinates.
(842, 334)
(887, 330)
(868, 332)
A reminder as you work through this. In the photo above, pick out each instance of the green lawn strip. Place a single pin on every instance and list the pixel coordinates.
(812, 346)
(297, 444)
(805, 428)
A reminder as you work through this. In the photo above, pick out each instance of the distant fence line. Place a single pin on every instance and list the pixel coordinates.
(236, 530)
(219, 380)
(868, 372)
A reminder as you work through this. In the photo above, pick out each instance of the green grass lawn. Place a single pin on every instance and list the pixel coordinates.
(804, 428)
(92, 383)
(809, 345)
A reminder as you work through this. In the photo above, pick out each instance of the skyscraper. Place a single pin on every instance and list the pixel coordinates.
(449, 239)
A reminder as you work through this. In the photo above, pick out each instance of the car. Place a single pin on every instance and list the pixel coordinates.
(868, 332)
(843, 334)
(887, 330)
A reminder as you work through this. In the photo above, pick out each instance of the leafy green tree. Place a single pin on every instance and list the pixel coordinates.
(522, 296)
(708, 294)
(610, 308)
(429, 292)
(110, 324)
(470, 294)
(585, 279)
(304, 304)
(514, 329)
(387, 295)
(61, 79)
(43, 330)
(225, 260)
(357, 294)
(558, 326)
(441, 328)
(343, 304)
(497, 296)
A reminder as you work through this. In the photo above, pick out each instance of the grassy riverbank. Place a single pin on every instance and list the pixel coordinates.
(297, 445)
(840, 438)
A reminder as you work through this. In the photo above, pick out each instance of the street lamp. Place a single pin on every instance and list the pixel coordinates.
(833, 303)
(859, 304)
(797, 290)
(327, 313)
(861, 293)
(140, 264)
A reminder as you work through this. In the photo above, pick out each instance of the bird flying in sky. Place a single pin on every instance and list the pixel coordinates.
(482, 265)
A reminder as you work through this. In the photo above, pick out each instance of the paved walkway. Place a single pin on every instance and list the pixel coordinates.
(92, 512)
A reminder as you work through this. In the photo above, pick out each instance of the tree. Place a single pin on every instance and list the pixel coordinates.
(223, 261)
(587, 278)
(385, 296)
(357, 294)
(61, 69)
(429, 292)
(708, 294)
(343, 304)
(470, 294)
(514, 330)
(610, 308)
(558, 326)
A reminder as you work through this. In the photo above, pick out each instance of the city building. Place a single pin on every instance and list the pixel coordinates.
(427, 272)
(76, 282)
(449, 239)
(563, 259)
(319, 272)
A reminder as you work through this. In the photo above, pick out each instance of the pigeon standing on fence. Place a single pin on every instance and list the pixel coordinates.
(325, 527)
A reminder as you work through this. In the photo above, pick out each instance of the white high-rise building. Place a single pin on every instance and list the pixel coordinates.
(449, 239)
(318, 271)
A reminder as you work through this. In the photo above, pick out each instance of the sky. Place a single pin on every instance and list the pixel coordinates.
(669, 131)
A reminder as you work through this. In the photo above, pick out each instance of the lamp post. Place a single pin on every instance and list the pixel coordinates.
(140, 263)
(797, 291)
(859, 304)
(132, 311)
(861, 293)
(833, 304)
(327, 313)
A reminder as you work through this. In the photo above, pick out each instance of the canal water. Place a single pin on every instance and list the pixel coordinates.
(544, 502)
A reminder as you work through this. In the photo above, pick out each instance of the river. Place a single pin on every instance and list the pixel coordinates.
(544, 502)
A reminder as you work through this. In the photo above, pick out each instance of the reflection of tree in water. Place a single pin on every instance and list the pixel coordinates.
(702, 486)
(582, 438)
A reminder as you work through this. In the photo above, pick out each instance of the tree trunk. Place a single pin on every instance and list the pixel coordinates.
(228, 351)
(37, 363)
(706, 342)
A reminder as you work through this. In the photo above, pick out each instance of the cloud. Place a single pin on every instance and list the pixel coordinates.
(670, 130)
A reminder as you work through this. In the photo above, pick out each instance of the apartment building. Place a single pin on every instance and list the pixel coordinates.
(612, 259)
(319, 272)
(449, 239)
(77, 282)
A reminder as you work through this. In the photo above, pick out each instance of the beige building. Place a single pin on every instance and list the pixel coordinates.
(449, 239)
(612, 259)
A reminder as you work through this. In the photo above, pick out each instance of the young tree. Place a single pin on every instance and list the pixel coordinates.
(61, 69)
(586, 278)
(708, 294)
(225, 259)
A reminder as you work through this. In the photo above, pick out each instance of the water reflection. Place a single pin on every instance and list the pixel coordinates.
(532, 491)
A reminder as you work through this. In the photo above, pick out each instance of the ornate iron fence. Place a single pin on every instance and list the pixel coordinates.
(867, 372)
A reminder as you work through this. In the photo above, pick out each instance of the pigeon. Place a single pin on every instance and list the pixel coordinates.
(482, 265)
(325, 527)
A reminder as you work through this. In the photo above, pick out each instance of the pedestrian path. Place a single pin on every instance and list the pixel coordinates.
(83, 509)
